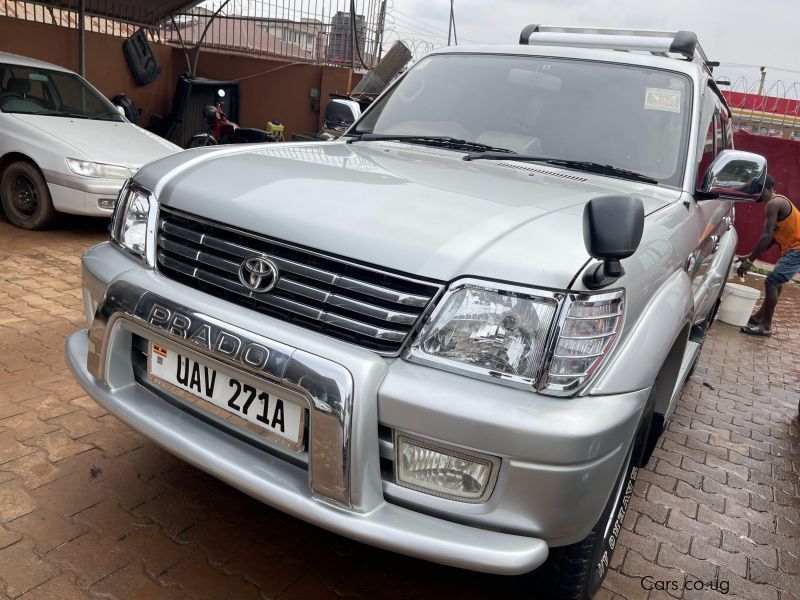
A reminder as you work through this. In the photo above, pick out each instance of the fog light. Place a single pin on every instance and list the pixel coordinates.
(444, 471)
(107, 203)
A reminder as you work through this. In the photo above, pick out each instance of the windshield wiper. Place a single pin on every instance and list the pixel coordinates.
(578, 165)
(58, 113)
(104, 116)
(439, 141)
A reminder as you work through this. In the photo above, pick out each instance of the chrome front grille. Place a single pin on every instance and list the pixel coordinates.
(356, 303)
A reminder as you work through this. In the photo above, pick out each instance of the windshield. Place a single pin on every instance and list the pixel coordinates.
(37, 91)
(627, 116)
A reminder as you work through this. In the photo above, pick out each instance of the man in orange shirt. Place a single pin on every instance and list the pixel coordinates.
(782, 227)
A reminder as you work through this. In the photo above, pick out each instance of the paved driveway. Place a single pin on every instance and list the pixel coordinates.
(90, 509)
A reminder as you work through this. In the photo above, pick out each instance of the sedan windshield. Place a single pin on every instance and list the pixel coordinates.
(28, 90)
(624, 116)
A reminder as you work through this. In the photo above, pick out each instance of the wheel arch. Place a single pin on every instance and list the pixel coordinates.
(664, 322)
(11, 157)
(664, 386)
(206, 137)
(670, 369)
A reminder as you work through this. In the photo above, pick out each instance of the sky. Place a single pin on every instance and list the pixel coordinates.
(734, 32)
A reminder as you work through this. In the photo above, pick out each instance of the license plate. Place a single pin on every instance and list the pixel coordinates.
(277, 415)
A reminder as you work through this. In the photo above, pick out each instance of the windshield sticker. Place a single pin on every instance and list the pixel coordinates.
(38, 77)
(662, 99)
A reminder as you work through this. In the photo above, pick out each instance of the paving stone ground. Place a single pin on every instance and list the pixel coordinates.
(89, 509)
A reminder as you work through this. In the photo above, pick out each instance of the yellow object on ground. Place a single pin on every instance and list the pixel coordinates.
(276, 129)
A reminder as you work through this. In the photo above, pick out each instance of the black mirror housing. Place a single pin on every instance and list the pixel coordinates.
(612, 230)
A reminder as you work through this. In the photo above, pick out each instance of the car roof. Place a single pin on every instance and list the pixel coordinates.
(613, 56)
(24, 61)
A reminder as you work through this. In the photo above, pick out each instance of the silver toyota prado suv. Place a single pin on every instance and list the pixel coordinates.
(458, 331)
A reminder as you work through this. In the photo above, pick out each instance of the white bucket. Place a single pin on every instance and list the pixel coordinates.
(737, 304)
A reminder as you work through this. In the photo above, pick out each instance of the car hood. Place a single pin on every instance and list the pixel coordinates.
(118, 143)
(417, 210)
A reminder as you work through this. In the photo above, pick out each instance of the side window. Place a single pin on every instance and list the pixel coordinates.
(727, 130)
(37, 90)
(719, 137)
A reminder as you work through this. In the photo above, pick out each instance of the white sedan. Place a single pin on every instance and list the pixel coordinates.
(63, 146)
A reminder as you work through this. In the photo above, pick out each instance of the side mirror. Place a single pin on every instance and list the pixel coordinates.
(734, 175)
(340, 114)
(612, 230)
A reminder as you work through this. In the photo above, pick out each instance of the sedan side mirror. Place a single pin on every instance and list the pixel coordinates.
(734, 175)
(612, 230)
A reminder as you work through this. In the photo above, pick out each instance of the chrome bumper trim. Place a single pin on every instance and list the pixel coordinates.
(326, 386)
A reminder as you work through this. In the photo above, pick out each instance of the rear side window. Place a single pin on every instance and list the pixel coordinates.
(719, 136)
(727, 129)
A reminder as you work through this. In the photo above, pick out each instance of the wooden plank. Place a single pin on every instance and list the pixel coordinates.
(387, 69)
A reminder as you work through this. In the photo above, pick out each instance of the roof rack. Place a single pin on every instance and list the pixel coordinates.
(661, 43)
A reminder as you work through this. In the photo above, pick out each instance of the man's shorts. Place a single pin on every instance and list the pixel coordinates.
(787, 267)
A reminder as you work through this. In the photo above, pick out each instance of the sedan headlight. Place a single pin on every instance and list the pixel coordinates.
(131, 219)
(98, 170)
(511, 335)
(488, 330)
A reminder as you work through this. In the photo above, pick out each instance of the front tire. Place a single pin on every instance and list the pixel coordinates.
(25, 196)
(201, 141)
(575, 572)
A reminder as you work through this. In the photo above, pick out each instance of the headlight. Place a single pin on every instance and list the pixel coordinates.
(587, 333)
(131, 219)
(511, 335)
(489, 331)
(98, 170)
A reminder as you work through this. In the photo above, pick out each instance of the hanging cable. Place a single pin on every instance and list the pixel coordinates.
(453, 22)
(353, 33)
(203, 37)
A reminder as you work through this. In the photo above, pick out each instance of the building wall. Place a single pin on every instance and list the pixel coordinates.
(282, 91)
(283, 94)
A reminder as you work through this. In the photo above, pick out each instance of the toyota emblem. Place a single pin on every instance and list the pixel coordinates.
(258, 274)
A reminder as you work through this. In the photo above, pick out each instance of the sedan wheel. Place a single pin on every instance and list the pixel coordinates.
(25, 197)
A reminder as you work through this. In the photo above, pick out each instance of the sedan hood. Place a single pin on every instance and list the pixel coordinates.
(417, 210)
(112, 142)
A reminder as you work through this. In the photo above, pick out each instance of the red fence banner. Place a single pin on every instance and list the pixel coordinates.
(783, 106)
(783, 163)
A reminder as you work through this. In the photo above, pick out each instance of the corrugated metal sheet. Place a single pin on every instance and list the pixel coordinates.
(143, 12)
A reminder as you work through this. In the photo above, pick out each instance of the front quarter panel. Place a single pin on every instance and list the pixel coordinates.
(659, 303)
(638, 360)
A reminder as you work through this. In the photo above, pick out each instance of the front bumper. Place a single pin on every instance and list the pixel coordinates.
(82, 195)
(559, 457)
(285, 486)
